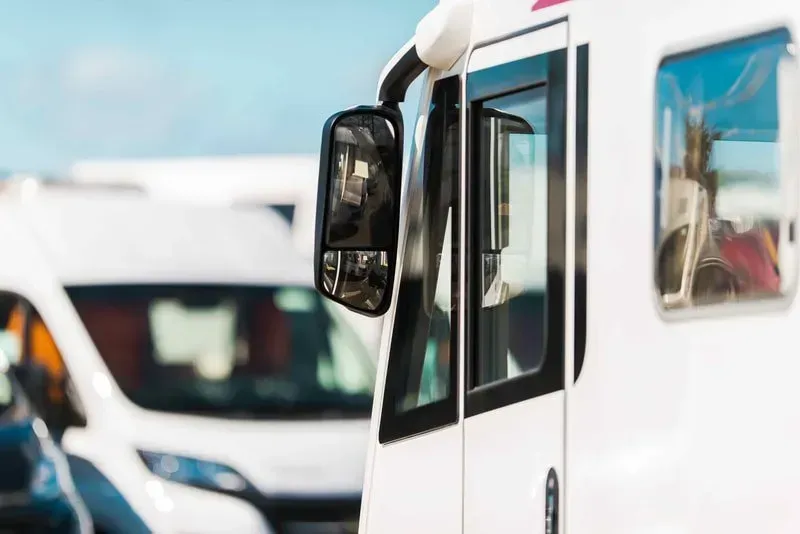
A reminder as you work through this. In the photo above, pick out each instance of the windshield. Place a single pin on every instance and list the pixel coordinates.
(232, 351)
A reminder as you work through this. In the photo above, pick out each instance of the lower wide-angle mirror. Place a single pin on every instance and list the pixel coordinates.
(358, 208)
(356, 278)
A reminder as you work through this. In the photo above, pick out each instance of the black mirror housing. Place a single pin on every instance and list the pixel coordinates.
(358, 208)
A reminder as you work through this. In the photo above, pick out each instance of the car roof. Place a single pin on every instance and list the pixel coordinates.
(92, 237)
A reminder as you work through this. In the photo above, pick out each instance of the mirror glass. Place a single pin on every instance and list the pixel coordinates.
(363, 174)
(356, 278)
(361, 178)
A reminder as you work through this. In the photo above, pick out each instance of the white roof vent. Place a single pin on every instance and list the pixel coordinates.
(443, 34)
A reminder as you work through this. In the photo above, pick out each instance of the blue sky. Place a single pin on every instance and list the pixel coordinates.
(115, 78)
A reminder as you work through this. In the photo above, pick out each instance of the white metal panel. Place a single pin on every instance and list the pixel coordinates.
(673, 426)
(91, 238)
(507, 454)
(493, 19)
(417, 483)
(286, 179)
(526, 45)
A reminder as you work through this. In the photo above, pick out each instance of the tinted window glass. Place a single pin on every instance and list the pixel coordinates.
(243, 350)
(420, 385)
(512, 192)
(719, 224)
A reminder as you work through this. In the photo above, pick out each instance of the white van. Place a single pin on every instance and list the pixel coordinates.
(286, 183)
(195, 379)
(588, 274)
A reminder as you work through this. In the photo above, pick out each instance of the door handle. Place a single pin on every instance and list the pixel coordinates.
(551, 503)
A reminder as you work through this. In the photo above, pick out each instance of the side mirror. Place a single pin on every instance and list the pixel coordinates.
(358, 208)
(506, 123)
(501, 134)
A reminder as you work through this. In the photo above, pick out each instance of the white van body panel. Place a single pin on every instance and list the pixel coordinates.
(61, 238)
(677, 423)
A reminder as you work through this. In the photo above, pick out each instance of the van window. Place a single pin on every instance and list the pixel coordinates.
(421, 391)
(517, 228)
(718, 210)
(512, 192)
(248, 351)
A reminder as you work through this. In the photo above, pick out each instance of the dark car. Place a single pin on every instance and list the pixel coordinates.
(37, 494)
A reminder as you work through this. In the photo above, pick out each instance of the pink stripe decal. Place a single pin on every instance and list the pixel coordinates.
(541, 4)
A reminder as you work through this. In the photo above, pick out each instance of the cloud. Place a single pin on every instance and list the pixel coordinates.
(128, 97)
(104, 101)
(97, 71)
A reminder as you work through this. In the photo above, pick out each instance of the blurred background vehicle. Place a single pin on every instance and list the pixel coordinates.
(184, 361)
(286, 183)
(37, 493)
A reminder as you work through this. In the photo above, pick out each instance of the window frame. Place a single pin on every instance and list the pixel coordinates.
(394, 424)
(581, 206)
(718, 309)
(549, 69)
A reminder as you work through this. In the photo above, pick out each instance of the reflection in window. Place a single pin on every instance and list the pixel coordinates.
(719, 225)
(421, 365)
(360, 199)
(513, 230)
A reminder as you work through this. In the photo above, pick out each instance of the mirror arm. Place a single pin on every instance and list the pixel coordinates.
(405, 70)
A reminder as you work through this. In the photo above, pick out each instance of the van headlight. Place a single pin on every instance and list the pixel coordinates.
(194, 472)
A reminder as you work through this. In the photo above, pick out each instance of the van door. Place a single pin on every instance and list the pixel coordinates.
(515, 404)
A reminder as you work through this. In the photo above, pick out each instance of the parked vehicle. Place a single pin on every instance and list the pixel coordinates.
(37, 493)
(192, 373)
(286, 183)
(588, 273)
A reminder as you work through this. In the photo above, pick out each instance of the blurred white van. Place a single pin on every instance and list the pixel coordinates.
(286, 183)
(190, 371)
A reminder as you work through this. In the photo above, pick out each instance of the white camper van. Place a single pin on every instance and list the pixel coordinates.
(184, 361)
(588, 273)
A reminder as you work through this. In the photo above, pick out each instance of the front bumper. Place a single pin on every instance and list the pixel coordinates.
(309, 514)
(188, 510)
(206, 511)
